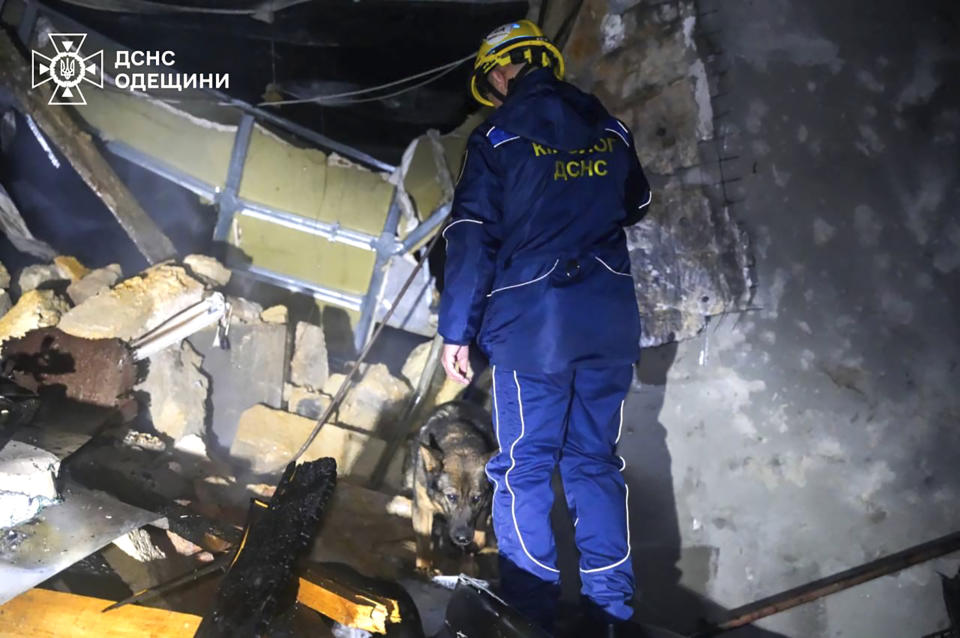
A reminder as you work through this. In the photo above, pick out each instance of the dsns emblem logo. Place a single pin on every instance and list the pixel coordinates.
(68, 69)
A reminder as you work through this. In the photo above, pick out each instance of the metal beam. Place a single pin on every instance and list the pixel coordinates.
(330, 295)
(425, 229)
(227, 203)
(332, 232)
(385, 251)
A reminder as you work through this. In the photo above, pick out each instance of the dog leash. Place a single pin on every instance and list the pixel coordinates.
(349, 380)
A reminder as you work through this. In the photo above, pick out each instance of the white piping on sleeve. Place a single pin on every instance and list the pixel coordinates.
(459, 221)
(620, 427)
(616, 272)
(620, 135)
(646, 203)
(526, 283)
(509, 139)
(506, 478)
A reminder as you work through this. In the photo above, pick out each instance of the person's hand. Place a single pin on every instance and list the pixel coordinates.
(456, 362)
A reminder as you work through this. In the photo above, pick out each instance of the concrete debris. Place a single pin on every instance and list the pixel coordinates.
(182, 545)
(416, 362)
(192, 444)
(5, 302)
(144, 441)
(177, 390)
(305, 402)
(274, 314)
(35, 276)
(27, 482)
(309, 367)
(35, 309)
(4, 277)
(135, 305)
(138, 545)
(377, 397)
(70, 268)
(93, 371)
(93, 283)
(250, 372)
(267, 439)
(208, 270)
(688, 264)
(244, 310)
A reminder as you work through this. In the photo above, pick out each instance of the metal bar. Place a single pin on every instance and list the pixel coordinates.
(385, 250)
(28, 20)
(333, 232)
(227, 203)
(421, 232)
(330, 295)
(162, 169)
(837, 582)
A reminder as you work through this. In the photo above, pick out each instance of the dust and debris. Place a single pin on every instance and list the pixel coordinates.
(802, 134)
(870, 143)
(823, 231)
(898, 309)
(867, 225)
(867, 80)
(612, 32)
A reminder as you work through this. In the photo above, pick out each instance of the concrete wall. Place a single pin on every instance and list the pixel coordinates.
(819, 430)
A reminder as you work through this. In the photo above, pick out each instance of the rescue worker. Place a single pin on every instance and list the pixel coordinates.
(537, 274)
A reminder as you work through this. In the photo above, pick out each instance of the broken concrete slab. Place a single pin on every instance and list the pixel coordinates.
(4, 277)
(250, 372)
(177, 390)
(275, 314)
(377, 398)
(305, 402)
(28, 477)
(309, 366)
(208, 270)
(5, 302)
(138, 545)
(32, 277)
(35, 309)
(93, 283)
(244, 310)
(136, 305)
(267, 439)
(91, 371)
(415, 364)
(70, 268)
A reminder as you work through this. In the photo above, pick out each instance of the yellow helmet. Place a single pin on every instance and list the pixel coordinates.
(513, 43)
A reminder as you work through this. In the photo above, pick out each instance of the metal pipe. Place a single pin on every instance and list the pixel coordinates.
(832, 584)
(330, 295)
(421, 232)
(227, 203)
(384, 247)
(332, 232)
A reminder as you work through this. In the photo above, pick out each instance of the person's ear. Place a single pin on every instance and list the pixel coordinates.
(498, 78)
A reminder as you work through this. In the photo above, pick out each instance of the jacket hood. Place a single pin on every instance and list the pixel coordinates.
(551, 112)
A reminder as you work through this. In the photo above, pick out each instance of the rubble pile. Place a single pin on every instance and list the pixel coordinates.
(224, 388)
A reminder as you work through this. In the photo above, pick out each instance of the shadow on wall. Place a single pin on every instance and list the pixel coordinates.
(668, 576)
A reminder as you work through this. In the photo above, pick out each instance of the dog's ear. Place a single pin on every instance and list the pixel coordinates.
(432, 458)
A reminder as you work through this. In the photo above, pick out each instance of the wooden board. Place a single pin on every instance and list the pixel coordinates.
(348, 607)
(40, 613)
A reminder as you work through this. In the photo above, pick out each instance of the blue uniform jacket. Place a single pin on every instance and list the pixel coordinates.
(537, 269)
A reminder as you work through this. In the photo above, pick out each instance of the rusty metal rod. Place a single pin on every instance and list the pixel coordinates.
(832, 584)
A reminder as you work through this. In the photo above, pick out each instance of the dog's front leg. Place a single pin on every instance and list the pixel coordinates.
(423, 529)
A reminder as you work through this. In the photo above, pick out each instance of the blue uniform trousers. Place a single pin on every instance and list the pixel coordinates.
(572, 419)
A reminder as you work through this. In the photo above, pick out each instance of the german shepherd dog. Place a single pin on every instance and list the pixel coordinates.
(447, 477)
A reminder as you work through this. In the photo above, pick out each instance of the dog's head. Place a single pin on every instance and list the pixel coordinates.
(458, 487)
